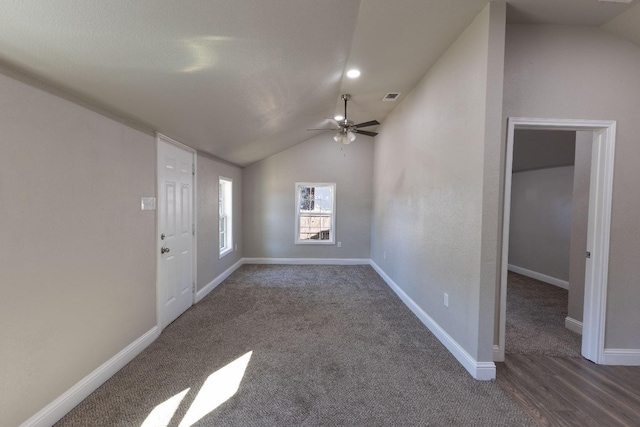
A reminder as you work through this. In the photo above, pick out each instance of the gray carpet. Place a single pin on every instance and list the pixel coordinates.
(331, 346)
(535, 319)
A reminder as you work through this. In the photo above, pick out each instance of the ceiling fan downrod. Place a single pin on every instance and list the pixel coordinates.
(345, 97)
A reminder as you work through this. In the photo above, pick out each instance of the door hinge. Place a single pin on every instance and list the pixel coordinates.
(194, 287)
(193, 229)
(588, 254)
(193, 169)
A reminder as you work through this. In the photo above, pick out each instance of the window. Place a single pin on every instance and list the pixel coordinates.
(225, 207)
(315, 213)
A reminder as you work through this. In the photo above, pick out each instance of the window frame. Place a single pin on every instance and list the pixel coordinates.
(225, 210)
(332, 231)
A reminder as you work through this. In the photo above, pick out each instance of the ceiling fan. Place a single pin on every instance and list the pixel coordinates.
(346, 129)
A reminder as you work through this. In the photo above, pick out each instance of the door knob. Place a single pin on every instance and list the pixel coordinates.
(164, 250)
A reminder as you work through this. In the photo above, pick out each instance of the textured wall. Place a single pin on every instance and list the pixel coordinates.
(209, 173)
(587, 73)
(77, 260)
(540, 227)
(428, 187)
(579, 223)
(269, 198)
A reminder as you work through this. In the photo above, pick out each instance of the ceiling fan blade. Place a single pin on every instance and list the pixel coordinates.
(366, 124)
(323, 129)
(366, 132)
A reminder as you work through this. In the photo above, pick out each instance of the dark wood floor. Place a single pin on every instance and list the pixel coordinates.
(558, 391)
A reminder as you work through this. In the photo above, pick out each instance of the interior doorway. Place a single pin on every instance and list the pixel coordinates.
(599, 212)
(547, 241)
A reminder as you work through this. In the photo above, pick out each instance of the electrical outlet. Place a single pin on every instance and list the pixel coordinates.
(384, 255)
(446, 299)
(339, 244)
(236, 246)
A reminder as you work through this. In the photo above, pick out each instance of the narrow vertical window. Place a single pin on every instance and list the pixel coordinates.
(225, 215)
(315, 213)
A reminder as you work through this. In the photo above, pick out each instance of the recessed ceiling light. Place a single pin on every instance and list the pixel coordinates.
(353, 74)
(338, 118)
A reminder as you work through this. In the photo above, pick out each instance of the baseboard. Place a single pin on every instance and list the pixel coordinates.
(539, 276)
(573, 325)
(57, 409)
(621, 356)
(215, 282)
(478, 370)
(307, 261)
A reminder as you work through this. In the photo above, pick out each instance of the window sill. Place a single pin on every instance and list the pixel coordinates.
(225, 253)
(315, 242)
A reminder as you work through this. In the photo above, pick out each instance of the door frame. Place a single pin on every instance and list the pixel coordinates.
(162, 138)
(598, 233)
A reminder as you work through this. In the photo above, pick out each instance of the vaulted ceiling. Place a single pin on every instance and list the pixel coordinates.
(244, 79)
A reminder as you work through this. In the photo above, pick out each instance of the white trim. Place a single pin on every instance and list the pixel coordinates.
(332, 234)
(496, 353)
(317, 261)
(215, 282)
(194, 206)
(57, 409)
(599, 228)
(478, 370)
(598, 237)
(621, 356)
(573, 325)
(176, 143)
(224, 252)
(539, 276)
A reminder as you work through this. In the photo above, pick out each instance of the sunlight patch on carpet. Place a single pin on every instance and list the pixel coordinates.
(162, 414)
(217, 389)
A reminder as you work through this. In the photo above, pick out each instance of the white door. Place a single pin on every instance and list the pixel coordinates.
(175, 228)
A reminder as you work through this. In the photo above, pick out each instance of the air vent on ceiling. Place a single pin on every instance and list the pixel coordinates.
(616, 1)
(391, 96)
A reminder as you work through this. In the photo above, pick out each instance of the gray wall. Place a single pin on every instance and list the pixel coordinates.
(268, 194)
(587, 73)
(579, 224)
(429, 186)
(535, 149)
(209, 172)
(540, 223)
(541, 200)
(77, 260)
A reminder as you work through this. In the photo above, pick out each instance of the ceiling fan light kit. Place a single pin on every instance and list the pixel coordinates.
(347, 130)
(344, 137)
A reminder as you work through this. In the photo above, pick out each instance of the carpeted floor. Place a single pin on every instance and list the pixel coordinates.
(535, 319)
(330, 346)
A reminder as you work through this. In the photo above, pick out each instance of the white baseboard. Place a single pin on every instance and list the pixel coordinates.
(478, 370)
(621, 356)
(215, 282)
(307, 261)
(573, 325)
(57, 409)
(539, 276)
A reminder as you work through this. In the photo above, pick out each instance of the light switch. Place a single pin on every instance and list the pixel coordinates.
(148, 203)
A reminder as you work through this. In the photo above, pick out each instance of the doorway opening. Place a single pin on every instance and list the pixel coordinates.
(547, 242)
(598, 227)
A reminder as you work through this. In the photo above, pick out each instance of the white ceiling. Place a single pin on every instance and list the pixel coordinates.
(244, 79)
